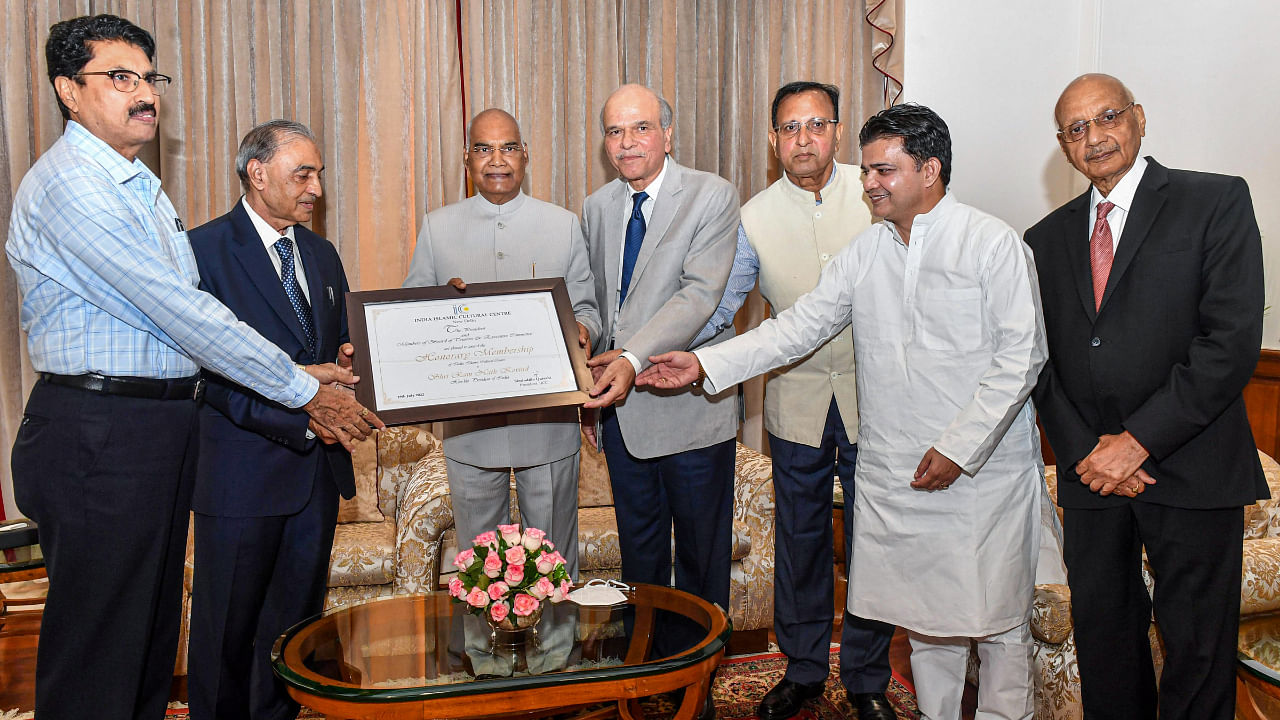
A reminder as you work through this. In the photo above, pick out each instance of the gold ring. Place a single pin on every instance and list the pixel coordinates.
(364, 411)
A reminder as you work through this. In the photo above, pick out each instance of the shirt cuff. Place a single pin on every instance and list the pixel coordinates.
(709, 384)
(635, 362)
(303, 386)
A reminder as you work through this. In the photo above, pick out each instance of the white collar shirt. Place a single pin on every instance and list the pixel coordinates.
(1122, 196)
(269, 237)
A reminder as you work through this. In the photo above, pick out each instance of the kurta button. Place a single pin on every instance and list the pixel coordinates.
(1095, 342)
(826, 256)
(818, 214)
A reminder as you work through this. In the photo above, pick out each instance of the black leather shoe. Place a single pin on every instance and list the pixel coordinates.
(872, 706)
(786, 698)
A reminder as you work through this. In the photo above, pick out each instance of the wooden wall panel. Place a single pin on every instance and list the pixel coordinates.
(1262, 398)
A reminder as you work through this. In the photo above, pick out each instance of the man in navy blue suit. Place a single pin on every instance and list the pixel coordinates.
(268, 479)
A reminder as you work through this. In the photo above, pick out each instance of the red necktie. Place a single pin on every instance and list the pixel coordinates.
(1101, 253)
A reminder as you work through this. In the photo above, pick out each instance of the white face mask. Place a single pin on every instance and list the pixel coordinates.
(600, 592)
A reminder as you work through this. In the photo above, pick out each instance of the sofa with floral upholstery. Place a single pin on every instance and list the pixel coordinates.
(599, 556)
(380, 544)
(1057, 680)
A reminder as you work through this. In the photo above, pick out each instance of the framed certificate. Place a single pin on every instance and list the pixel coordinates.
(434, 353)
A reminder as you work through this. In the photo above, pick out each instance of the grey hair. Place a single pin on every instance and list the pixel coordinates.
(263, 141)
(665, 115)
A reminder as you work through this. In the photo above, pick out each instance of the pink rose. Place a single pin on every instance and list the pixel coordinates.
(543, 588)
(514, 574)
(498, 589)
(462, 560)
(489, 538)
(510, 533)
(533, 538)
(492, 565)
(561, 592)
(548, 561)
(477, 598)
(525, 605)
(515, 555)
(498, 611)
(456, 590)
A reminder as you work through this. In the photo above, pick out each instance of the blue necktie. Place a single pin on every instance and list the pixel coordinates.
(289, 278)
(635, 238)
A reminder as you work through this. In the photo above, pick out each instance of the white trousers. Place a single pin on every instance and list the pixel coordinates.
(1004, 678)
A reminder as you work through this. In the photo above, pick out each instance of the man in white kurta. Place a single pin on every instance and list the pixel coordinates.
(503, 234)
(949, 340)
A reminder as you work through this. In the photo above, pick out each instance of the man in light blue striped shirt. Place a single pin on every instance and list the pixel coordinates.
(118, 332)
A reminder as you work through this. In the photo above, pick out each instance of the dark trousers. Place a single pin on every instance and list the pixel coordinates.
(1195, 556)
(108, 479)
(691, 491)
(255, 577)
(803, 584)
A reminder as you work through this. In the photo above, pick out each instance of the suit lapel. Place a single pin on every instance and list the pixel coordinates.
(252, 256)
(1147, 202)
(320, 306)
(1076, 240)
(614, 221)
(664, 211)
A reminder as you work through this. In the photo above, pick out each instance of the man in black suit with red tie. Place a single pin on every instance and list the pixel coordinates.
(267, 479)
(1153, 294)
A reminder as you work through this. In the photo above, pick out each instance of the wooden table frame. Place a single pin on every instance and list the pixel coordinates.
(1246, 681)
(570, 694)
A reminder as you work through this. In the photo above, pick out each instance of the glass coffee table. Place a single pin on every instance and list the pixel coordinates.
(1258, 667)
(421, 656)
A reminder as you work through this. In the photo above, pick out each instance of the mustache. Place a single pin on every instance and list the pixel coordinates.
(629, 154)
(141, 108)
(1095, 152)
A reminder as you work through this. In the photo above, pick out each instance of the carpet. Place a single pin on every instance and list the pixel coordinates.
(740, 683)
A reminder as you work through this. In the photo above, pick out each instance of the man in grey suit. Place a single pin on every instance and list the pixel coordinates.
(662, 239)
(502, 234)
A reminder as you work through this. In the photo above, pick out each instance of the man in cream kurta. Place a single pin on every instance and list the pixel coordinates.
(949, 339)
(503, 234)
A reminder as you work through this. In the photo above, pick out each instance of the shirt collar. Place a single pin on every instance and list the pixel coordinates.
(118, 168)
(800, 193)
(922, 222)
(1122, 194)
(505, 208)
(265, 231)
(652, 188)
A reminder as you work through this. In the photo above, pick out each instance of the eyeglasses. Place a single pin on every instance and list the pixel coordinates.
(1077, 130)
(817, 127)
(487, 150)
(126, 81)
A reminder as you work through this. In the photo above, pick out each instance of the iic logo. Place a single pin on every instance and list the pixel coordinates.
(460, 309)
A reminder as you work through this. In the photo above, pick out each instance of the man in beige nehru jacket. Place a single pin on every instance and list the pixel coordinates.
(789, 233)
(502, 234)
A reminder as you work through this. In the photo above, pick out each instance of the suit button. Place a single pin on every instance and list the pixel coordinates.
(501, 255)
(1095, 342)
(502, 226)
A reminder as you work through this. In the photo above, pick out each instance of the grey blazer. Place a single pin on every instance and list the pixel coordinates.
(677, 283)
(481, 242)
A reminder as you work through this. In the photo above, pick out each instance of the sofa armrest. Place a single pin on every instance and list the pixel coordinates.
(1260, 579)
(1051, 614)
(399, 450)
(425, 513)
(753, 507)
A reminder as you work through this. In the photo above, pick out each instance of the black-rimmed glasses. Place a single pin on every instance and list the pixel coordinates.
(126, 81)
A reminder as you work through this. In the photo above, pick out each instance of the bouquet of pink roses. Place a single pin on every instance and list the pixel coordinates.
(506, 576)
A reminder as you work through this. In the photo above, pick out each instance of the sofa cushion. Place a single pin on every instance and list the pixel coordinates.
(363, 554)
(593, 479)
(598, 547)
(364, 506)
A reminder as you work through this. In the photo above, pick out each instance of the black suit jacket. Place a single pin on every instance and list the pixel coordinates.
(255, 459)
(1171, 349)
